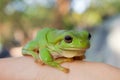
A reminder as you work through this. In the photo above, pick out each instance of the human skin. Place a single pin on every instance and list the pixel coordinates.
(24, 68)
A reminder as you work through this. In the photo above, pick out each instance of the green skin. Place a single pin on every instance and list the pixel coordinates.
(49, 41)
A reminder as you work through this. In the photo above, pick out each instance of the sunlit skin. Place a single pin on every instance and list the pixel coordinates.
(63, 44)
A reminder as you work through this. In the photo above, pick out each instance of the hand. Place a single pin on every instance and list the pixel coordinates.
(24, 68)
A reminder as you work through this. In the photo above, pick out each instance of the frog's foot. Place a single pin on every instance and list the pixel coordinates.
(38, 61)
(66, 70)
(63, 59)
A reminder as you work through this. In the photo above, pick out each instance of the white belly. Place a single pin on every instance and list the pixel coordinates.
(72, 53)
(69, 53)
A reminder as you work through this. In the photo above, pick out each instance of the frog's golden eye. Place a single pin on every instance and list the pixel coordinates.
(68, 39)
(89, 36)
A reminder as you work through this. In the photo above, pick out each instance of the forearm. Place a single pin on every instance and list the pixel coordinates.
(24, 68)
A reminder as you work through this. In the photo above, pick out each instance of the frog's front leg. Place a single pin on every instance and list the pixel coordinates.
(47, 58)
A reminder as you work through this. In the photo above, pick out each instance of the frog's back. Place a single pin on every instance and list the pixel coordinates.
(41, 36)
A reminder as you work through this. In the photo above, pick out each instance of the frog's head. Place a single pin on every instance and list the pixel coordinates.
(74, 43)
(75, 40)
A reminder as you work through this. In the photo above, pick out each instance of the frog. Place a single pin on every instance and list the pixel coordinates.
(51, 42)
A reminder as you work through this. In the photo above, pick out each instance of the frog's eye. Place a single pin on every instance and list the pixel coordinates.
(68, 39)
(89, 36)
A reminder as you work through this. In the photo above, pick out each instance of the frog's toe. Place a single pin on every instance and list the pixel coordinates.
(39, 62)
(66, 70)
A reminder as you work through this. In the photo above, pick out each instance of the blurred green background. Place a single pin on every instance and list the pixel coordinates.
(21, 19)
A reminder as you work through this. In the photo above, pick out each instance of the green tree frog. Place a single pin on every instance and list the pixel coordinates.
(50, 42)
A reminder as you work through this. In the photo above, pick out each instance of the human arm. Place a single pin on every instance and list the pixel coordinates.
(24, 68)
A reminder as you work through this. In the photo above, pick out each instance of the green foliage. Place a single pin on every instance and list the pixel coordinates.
(25, 17)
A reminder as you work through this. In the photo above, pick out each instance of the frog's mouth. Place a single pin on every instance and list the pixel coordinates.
(75, 49)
